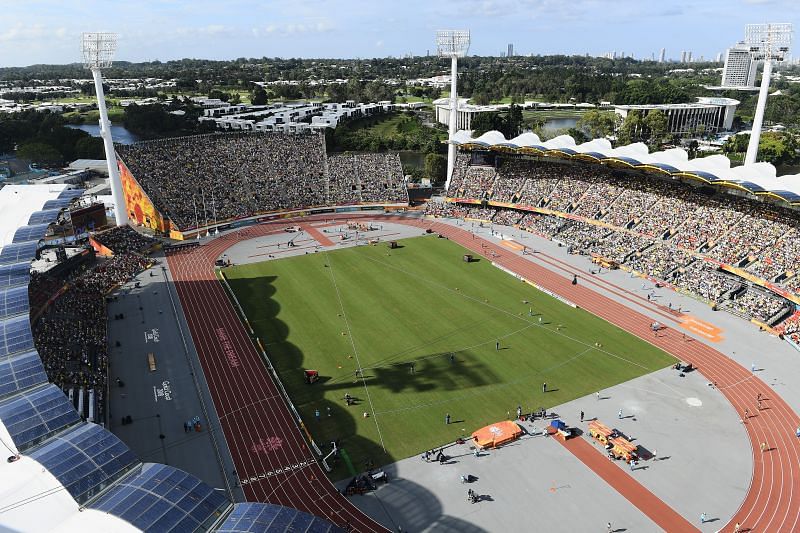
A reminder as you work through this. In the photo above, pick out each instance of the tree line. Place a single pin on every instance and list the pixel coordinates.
(43, 138)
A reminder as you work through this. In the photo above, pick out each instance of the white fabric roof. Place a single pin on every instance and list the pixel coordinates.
(17, 202)
(31, 498)
(714, 169)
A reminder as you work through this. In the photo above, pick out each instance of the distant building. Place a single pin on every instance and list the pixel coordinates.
(661, 56)
(740, 68)
(689, 56)
(711, 115)
(719, 57)
(683, 56)
(510, 52)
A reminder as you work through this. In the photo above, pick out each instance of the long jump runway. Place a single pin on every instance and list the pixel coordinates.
(276, 465)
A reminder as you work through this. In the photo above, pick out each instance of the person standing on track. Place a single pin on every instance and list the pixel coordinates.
(447, 419)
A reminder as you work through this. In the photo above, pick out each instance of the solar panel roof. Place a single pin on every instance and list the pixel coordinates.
(34, 415)
(13, 301)
(15, 335)
(57, 204)
(70, 193)
(86, 459)
(44, 217)
(252, 517)
(15, 274)
(20, 372)
(18, 252)
(30, 233)
(163, 498)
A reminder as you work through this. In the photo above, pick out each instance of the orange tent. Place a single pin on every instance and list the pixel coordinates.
(623, 448)
(497, 434)
(599, 431)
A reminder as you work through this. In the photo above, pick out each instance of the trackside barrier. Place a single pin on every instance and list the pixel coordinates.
(536, 286)
(238, 306)
(271, 369)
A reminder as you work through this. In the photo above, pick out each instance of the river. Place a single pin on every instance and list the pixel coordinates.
(555, 124)
(118, 133)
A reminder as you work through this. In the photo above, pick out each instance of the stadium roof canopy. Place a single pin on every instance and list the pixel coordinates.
(19, 202)
(60, 473)
(757, 178)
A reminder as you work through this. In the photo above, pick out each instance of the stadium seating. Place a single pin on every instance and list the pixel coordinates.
(663, 228)
(224, 176)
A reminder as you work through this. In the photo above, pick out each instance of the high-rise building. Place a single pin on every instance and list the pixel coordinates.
(740, 68)
(661, 56)
(510, 52)
(719, 57)
(689, 56)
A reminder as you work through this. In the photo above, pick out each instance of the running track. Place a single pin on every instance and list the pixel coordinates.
(269, 449)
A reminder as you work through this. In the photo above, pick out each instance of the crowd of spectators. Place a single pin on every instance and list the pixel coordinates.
(660, 228)
(233, 175)
(446, 209)
(508, 217)
(660, 260)
(546, 225)
(704, 221)
(757, 303)
(70, 335)
(124, 239)
(480, 213)
(458, 179)
(365, 178)
(478, 182)
(704, 280)
(785, 255)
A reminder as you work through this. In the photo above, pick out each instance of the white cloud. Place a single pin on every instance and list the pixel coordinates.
(296, 28)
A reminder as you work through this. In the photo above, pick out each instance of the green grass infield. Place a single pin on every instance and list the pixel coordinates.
(424, 327)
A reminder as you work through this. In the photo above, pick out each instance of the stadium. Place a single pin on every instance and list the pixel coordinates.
(314, 336)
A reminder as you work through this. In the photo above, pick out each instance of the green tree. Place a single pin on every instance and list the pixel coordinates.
(483, 122)
(631, 128)
(259, 96)
(40, 153)
(598, 123)
(657, 127)
(481, 99)
(435, 167)
(514, 122)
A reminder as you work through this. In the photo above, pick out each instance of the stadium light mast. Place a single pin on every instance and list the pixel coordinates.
(452, 44)
(98, 51)
(768, 42)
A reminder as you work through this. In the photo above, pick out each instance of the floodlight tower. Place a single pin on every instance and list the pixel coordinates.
(452, 44)
(768, 42)
(98, 51)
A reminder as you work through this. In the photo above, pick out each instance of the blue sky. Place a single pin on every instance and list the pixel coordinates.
(47, 31)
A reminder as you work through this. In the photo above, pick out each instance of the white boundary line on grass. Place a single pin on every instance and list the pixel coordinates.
(355, 351)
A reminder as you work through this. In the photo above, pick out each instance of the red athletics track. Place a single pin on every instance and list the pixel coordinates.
(772, 502)
(273, 461)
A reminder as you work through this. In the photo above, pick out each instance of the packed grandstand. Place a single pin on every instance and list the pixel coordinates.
(227, 176)
(740, 253)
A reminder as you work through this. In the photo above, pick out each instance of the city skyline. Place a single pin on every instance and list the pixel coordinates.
(46, 31)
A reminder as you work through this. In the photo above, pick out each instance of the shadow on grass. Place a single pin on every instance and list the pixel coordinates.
(336, 420)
